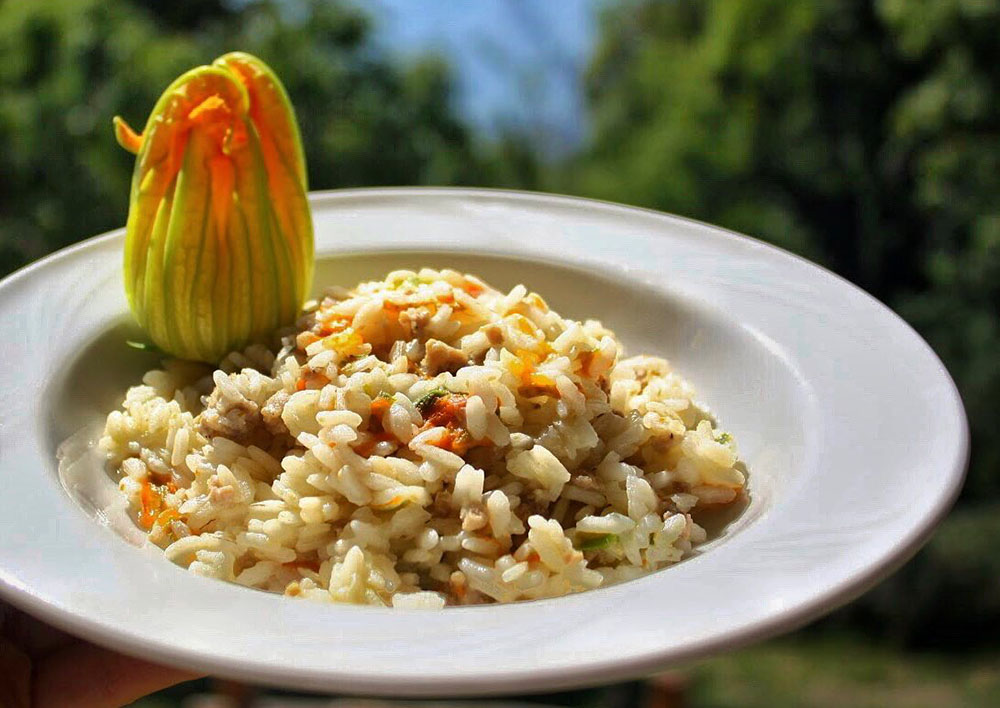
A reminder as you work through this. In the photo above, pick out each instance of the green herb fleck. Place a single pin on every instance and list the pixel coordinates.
(724, 439)
(383, 394)
(425, 402)
(598, 542)
(413, 280)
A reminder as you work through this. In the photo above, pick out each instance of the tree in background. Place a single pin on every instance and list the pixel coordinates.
(68, 66)
(865, 135)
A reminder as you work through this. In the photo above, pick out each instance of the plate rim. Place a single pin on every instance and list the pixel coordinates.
(548, 679)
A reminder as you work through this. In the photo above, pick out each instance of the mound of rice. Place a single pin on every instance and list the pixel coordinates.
(422, 441)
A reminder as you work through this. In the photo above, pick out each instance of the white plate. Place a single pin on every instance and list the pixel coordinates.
(852, 430)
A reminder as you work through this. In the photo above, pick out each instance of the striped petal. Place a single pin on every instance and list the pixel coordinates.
(219, 246)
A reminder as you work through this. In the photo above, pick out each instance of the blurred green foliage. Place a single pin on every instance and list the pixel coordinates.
(837, 671)
(864, 135)
(68, 66)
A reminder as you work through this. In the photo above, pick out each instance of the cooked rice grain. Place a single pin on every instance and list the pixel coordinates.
(421, 441)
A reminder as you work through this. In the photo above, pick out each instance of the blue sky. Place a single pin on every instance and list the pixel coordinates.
(518, 63)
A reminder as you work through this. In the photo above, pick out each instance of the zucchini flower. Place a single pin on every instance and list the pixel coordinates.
(219, 242)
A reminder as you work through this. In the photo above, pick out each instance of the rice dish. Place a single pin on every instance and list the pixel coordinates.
(423, 441)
